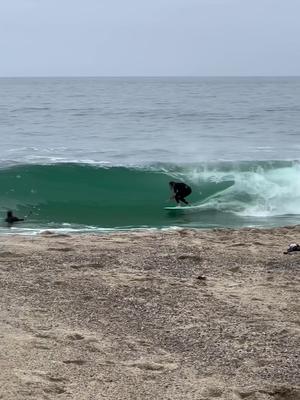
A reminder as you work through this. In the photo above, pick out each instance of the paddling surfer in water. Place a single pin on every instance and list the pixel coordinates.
(11, 218)
(180, 191)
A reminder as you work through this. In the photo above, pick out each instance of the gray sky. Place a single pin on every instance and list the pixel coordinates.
(149, 37)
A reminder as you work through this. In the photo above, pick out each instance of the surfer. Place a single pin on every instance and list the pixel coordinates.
(180, 191)
(10, 218)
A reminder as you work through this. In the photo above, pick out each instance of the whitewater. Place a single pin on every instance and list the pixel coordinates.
(96, 154)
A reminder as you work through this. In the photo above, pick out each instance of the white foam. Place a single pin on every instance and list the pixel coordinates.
(262, 192)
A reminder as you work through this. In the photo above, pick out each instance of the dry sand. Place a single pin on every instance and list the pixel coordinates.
(157, 315)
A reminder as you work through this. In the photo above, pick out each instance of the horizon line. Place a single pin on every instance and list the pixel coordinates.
(147, 76)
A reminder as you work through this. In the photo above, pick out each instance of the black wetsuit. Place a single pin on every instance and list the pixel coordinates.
(181, 190)
(10, 218)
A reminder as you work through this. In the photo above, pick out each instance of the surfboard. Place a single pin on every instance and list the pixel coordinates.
(180, 208)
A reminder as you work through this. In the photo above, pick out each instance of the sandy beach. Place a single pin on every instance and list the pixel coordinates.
(150, 315)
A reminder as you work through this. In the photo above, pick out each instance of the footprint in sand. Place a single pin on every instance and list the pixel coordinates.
(42, 380)
(277, 393)
(9, 254)
(190, 257)
(63, 249)
(152, 366)
(96, 266)
(75, 336)
(75, 362)
(234, 269)
(213, 392)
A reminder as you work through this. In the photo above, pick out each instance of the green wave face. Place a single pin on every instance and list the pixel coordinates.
(114, 197)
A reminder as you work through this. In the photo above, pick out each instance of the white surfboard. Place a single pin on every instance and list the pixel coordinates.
(181, 208)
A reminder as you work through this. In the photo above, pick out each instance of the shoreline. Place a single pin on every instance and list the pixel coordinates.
(173, 314)
(17, 230)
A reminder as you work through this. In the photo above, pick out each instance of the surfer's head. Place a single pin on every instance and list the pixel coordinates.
(171, 184)
(9, 214)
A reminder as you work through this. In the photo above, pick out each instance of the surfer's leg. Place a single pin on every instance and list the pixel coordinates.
(179, 198)
(184, 194)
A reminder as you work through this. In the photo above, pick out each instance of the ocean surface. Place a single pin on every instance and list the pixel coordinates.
(96, 154)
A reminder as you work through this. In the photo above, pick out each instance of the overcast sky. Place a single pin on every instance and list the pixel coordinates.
(149, 37)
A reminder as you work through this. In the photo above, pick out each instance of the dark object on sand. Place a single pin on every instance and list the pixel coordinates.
(201, 278)
(292, 247)
(10, 218)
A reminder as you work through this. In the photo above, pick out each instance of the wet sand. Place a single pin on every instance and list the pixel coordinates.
(150, 315)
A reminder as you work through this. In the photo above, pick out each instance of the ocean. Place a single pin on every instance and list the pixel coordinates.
(96, 154)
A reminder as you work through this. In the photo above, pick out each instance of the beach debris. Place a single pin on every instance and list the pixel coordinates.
(46, 232)
(292, 247)
(201, 278)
